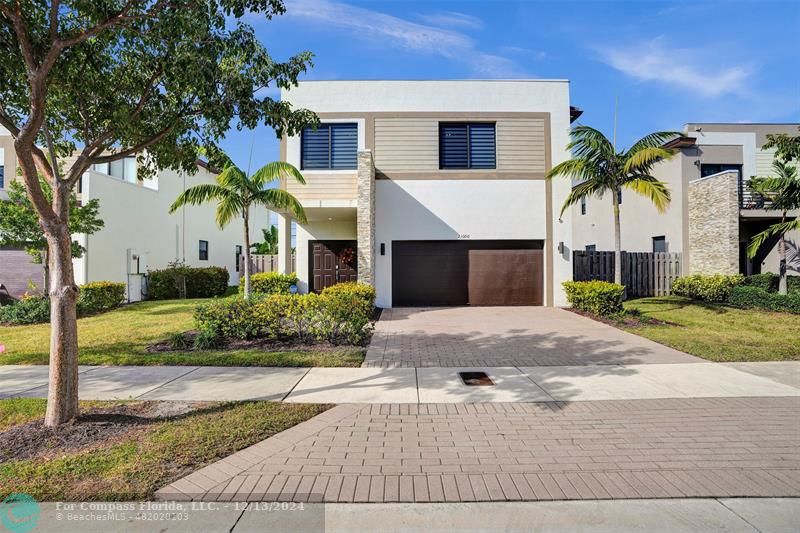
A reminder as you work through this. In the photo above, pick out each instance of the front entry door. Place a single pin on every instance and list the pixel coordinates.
(332, 262)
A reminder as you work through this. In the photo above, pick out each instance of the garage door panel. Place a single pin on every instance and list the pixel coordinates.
(446, 273)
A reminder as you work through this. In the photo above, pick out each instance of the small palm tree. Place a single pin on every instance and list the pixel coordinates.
(783, 192)
(236, 193)
(598, 169)
(270, 244)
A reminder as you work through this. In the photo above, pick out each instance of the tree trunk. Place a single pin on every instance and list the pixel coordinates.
(782, 285)
(246, 253)
(62, 396)
(45, 272)
(617, 240)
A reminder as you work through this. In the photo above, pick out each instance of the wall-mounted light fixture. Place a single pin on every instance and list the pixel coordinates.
(383, 248)
(561, 247)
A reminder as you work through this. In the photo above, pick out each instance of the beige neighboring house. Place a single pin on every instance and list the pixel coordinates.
(433, 191)
(139, 234)
(712, 215)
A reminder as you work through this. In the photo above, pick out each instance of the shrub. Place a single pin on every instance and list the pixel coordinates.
(28, 310)
(206, 340)
(769, 282)
(99, 296)
(713, 288)
(179, 341)
(270, 283)
(755, 297)
(180, 281)
(597, 297)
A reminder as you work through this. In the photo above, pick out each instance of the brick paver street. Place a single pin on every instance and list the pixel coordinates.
(665, 448)
(506, 336)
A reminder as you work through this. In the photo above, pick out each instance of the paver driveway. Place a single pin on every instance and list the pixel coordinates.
(506, 336)
(666, 448)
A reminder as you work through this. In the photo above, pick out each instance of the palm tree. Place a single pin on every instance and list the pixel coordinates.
(598, 169)
(236, 193)
(270, 244)
(783, 192)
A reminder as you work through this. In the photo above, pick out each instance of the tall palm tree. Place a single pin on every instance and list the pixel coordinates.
(236, 192)
(783, 192)
(598, 168)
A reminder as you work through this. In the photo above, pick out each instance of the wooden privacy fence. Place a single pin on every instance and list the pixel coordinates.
(262, 263)
(643, 273)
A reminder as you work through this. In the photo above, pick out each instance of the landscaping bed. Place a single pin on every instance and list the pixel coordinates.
(128, 450)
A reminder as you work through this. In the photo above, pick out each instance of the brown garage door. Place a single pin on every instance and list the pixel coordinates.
(467, 273)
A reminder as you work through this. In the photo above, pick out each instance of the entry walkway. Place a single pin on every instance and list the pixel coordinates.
(418, 385)
(506, 336)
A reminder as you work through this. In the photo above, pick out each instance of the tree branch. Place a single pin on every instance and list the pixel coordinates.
(54, 20)
(134, 149)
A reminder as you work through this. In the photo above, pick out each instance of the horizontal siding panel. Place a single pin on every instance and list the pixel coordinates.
(521, 145)
(406, 144)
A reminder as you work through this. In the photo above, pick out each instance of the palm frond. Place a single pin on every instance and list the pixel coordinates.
(234, 178)
(578, 169)
(653, 140)
(642, 159)
(589, 143)
(652, 189)
(280, 199)
(200, 194)
(582, 190)
(275, 170)
(228, 208)
(758, 240)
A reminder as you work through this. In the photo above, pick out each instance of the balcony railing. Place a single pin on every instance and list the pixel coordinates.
(748, 199)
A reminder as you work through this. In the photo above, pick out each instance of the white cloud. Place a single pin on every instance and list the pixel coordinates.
(421, 38)
(453, 19)
(681, 67)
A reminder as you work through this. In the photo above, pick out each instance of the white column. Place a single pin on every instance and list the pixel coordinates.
(284, 243)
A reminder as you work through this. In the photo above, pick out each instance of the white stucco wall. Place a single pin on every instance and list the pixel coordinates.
(443, 209)
(137, 222)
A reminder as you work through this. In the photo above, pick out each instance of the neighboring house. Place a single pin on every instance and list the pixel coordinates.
(433, 191)
(712, 215)
(139, 233)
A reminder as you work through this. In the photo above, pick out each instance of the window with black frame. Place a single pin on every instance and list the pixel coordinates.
(467, 145)
(203, 251)
(332, 146)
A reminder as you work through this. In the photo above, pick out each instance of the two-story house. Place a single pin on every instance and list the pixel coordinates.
(713, 213)
(433, 191)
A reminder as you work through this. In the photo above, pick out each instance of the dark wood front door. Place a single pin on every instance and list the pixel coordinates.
(332, 262)
(446, 273)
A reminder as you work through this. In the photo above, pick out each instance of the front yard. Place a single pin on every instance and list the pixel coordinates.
(128, 450)
(717, 332)
(122, 336)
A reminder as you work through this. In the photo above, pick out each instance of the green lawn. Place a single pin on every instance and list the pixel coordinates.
(719, 332)
(120, 337)
(132, 466)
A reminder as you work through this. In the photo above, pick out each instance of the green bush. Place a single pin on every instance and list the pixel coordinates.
(206, 340)
(709, 288)
(343, 316)
(180, 281)
(597, 297)
(99, 296)
(27, 310)
(270, 283)
(755, 297)
(769, 282)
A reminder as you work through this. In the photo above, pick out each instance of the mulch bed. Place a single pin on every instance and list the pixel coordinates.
(93, 427)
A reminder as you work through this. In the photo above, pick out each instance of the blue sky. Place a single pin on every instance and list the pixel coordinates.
(668, 63)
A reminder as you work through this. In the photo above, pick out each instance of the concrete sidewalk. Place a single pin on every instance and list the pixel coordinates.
(418, 385)
(766, 515)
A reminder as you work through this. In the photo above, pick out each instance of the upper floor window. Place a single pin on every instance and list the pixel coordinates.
(583, 205)
(467, 145)
(2, 176)
(331, 146)
(619, 196)
(203, 256)
(591, 247)
(707, 169)
(124, 169)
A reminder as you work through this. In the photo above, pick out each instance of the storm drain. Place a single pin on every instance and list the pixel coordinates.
(475, 378)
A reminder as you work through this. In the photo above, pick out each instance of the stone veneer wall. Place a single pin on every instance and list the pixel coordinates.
(365, 218)
(714, 224)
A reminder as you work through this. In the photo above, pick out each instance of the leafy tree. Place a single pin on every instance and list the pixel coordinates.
(19, 224)
(102, 80)
(783, 192)
(787, 147)
(269, 245)
(598, 168)
(235, 193)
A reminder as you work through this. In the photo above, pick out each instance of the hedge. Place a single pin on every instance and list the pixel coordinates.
(339, 316)
(94, 297)
(709, 288)
(769, 282)
(179, 281)
(755, 297)
(270, 283)
(597, 297)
